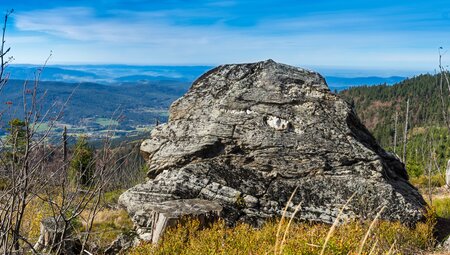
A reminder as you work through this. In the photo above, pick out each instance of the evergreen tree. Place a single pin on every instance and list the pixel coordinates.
(16, 140)
(82, 165)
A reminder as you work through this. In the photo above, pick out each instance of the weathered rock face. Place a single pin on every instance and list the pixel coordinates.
(247, 135)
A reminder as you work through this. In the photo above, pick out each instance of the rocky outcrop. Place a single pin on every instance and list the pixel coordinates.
(246, 135)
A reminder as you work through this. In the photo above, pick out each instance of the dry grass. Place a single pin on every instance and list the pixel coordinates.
(276, 237)
(335, 223)
(442, 207)
(107, 225)
(303, 238)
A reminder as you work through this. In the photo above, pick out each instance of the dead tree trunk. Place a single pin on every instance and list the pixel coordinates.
(405, 134)
(429, 178)
(65, 144)
(51, 234)
(447, 174)
(55, 233)
(153, 222)
(395, 131)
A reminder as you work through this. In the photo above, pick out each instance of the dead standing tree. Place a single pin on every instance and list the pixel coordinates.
(405, 133)
(22, 160)
(395, 131)
(443, 78)
(4, 60)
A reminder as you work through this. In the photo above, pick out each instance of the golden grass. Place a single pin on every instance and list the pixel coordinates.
(303, 238)
(280, 225)
(107, 224)
(34, 213)
(275, 237)
(335, 223)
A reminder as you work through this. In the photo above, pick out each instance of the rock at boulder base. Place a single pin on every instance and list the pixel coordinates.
(246, 135)
(153, 221)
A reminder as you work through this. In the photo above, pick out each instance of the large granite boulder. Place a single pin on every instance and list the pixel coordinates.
(246, 135)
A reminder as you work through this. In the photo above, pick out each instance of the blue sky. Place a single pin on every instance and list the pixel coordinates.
(393, 36)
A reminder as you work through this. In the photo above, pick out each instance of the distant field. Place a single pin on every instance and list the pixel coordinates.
(105, 122)
(42, 127)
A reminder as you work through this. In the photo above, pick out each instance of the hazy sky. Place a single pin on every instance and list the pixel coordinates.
(385, 35)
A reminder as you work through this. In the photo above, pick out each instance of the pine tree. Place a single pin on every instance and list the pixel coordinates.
(82, 165)
(16, 140)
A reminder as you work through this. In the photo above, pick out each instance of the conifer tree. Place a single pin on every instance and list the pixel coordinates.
(82, 165)
(16, 140)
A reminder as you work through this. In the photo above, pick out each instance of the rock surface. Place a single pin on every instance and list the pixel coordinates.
(247, 135)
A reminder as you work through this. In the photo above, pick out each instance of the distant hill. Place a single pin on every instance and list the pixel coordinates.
(108, 74)
(139, 103)
(340, 83)
(119, 74)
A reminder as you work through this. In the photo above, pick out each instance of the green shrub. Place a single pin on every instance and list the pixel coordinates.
(442, 207)
(437, 180)
(82, 165)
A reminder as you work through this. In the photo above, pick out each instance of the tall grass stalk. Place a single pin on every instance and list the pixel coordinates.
(368, 231)
(391, 250)
(280, 225)
(286, 231)
(335, 223)
(374, 246)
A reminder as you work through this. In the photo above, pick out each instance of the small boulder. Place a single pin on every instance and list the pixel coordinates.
(152, 221)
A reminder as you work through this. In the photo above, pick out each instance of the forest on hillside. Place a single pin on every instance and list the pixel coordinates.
(383, 108)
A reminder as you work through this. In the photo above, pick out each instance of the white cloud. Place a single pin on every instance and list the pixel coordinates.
(155, 38)
(122, 26)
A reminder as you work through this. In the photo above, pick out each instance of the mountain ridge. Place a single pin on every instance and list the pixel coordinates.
(117, 74)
